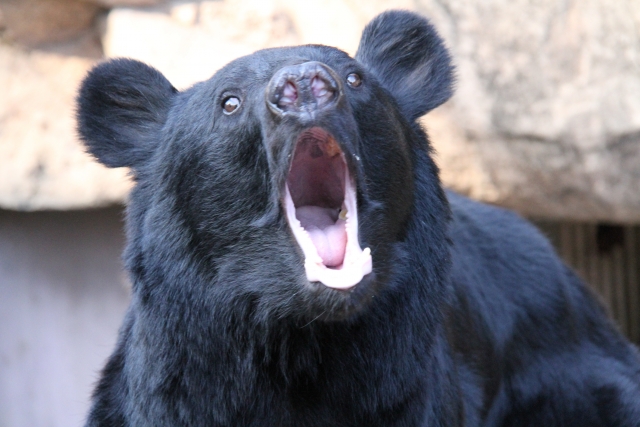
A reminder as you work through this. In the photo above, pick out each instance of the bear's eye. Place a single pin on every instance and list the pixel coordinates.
(230, 104)
(354, 80)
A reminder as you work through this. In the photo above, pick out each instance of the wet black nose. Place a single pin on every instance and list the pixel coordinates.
(303, 89)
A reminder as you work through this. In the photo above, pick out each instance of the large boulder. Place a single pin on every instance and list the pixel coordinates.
(37, 22)
(46, 47)
(189, 41)
(545, 120)
(42, 164)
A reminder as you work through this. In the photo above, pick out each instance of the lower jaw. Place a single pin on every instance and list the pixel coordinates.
(357, 262)
(324, 304)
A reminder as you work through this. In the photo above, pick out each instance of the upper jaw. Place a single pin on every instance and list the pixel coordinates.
(320, 202)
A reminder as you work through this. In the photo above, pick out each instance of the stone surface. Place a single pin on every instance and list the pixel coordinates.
(545, 120)
(116, 3)
(189, 41)
(36, 22)
(42, 164)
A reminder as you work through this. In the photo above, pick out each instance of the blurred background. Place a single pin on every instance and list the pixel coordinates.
(545, 120)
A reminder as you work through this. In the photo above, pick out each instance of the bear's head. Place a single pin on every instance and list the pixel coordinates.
(288, 179)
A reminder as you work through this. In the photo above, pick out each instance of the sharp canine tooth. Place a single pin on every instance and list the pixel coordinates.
(343, 214)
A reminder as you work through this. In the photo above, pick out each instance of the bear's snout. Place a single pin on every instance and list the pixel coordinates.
(303, 90)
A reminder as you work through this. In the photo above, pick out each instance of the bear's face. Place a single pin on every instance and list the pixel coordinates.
(286, 178)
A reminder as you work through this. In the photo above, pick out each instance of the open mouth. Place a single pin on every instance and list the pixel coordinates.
(320, 203)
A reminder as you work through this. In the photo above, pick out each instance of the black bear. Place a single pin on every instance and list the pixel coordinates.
(296, 262)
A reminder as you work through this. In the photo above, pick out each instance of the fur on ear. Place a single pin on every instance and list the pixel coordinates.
(121, 106)
(408, 57)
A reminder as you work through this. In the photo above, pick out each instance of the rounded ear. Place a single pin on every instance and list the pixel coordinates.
(121, 107)
(406, 54)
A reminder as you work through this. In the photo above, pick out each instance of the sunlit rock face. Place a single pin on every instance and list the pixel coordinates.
(545, 119)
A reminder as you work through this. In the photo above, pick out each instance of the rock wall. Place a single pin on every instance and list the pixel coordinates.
(46, 47)
(547, 111)
(545, 120)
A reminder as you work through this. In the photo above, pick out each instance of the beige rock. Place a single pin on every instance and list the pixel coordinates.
(546, 118)
(43, 166)
(116, 3)
(37, 22)
(189, 41)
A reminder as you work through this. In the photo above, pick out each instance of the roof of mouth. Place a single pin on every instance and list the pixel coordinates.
(316, 175)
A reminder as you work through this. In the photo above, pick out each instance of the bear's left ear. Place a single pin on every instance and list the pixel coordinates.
(409, 58)
(122, 105)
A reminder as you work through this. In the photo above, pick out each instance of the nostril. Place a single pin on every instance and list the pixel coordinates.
(289, 94)
(323, 89)
(319, 87)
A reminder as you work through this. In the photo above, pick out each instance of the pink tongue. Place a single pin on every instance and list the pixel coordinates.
(328, 235)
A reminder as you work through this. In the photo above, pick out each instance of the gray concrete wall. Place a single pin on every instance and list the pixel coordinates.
(62, 297)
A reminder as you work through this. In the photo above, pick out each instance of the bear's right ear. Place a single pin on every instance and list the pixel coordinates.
(406, 54)
(122, 105)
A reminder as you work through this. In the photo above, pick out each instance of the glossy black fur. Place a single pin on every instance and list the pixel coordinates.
(468, 319)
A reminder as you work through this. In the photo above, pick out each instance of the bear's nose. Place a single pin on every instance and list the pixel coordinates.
(303, 89)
